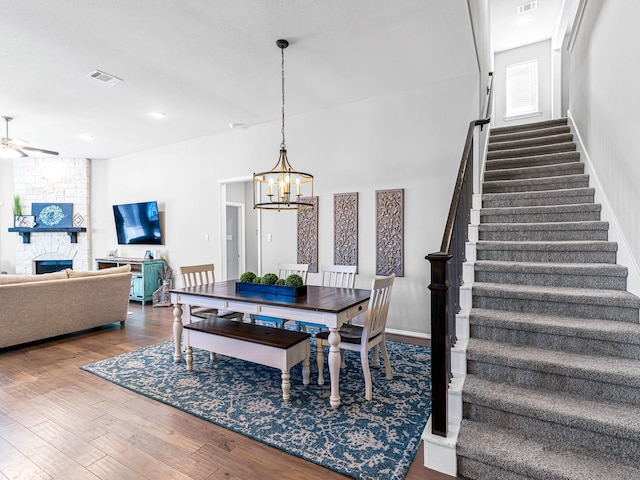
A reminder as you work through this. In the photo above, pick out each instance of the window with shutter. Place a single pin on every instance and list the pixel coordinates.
(522, 88)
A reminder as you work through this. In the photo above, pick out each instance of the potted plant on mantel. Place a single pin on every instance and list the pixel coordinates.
(17, 209)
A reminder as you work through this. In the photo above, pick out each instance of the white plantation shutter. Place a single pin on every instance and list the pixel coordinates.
(522, 88)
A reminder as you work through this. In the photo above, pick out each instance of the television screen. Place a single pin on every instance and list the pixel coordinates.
(138, 223)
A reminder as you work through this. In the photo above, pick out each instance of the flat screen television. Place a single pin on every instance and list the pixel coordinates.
(138, 223)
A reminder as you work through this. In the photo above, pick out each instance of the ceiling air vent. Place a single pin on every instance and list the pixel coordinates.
(527, 7)
(104, 77)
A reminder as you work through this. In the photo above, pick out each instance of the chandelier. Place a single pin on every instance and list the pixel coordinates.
(282, 187)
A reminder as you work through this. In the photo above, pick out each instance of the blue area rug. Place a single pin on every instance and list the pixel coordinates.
(365, 440)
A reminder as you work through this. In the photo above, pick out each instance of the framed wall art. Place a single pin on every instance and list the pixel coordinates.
(53, 215)
(390, 232)
(345, 229)
(308, 235)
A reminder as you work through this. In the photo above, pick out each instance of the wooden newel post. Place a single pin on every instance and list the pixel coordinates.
(439, 342)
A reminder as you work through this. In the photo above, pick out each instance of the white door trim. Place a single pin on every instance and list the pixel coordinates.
(222, 228)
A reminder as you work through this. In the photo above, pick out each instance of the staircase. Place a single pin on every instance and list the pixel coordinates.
(553, 361)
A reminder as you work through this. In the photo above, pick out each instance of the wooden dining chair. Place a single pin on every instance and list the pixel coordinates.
(284, 270)
(362, 339)
(342, 276)
(196, 275)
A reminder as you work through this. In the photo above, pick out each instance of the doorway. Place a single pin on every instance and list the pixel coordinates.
(240, 232)
(235, 239)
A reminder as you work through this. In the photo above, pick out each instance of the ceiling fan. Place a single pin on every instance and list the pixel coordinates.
(13, 148)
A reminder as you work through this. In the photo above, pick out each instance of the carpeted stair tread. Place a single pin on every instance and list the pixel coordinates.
(561, 268)
(529, 127)
(582, 275)
(533, 161)
(540, 132)
(535, 171)
(603, 369)
(587, 303)
(565, 231)
(529, 142)
(537, 226)
(536, 184)
(565, 196)
(602, 330)
(603, 417)
(529, 151)
(562, 246)
(526, 458)
(586, 296)
(560, 251)
(545, 213)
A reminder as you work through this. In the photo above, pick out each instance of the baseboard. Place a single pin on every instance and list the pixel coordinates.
(440, 452)
(625, 256)
(408, 333)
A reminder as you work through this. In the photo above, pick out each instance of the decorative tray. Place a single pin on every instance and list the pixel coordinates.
(271, 289)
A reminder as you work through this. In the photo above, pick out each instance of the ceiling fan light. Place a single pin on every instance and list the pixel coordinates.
(7, 153)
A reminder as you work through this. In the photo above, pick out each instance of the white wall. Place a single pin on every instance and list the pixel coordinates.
(481, 22)
(7, 240)
(411, 140)
(605, 106)
(541, 51)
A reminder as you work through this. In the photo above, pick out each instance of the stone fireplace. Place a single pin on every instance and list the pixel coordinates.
(56, 180)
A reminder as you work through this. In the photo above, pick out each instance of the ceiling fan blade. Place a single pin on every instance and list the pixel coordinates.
(22, 154)
(48, 152)
(18, 142)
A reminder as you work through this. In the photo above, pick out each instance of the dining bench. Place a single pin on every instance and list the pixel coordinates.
(272, 347)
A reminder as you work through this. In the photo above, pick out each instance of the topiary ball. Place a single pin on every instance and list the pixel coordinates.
(270, 278)
(259, 280)
(247, 277)
(294, 280)
(281, 281)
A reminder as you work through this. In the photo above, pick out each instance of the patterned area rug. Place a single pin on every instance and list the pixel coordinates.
(365, 440)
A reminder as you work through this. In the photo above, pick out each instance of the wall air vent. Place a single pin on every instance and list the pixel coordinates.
(527, 7)
(104, 77)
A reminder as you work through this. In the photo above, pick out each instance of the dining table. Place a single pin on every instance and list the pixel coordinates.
(327, 306)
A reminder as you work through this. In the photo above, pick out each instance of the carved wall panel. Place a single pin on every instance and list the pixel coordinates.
(390, 232)
(308, 235)
(345, 228)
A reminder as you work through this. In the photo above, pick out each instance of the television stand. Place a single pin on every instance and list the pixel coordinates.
(146, 274)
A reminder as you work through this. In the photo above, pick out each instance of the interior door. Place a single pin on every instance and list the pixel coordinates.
(238, 193)
(234, 249)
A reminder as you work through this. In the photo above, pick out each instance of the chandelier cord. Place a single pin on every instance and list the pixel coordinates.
(282, 145)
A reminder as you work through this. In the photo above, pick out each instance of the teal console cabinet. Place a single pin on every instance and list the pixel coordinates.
(146, 274)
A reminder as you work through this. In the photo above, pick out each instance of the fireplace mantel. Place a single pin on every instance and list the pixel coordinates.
(26, 232)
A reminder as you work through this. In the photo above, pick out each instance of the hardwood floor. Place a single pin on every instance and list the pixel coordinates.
(59, 422)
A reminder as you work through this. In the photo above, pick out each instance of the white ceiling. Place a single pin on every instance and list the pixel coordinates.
(208, 63)
(510, 30)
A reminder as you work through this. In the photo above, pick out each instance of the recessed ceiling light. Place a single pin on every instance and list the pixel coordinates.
(236, 125)
(86, 138)
(157, 115)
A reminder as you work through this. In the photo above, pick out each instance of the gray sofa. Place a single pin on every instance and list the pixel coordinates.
(36, 307)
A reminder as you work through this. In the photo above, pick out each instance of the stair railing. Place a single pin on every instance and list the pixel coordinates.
(446, 272)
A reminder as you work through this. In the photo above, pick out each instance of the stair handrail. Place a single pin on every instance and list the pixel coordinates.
(446, 274)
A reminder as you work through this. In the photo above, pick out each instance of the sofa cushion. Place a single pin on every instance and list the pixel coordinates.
(9, 279)
(102, 271)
